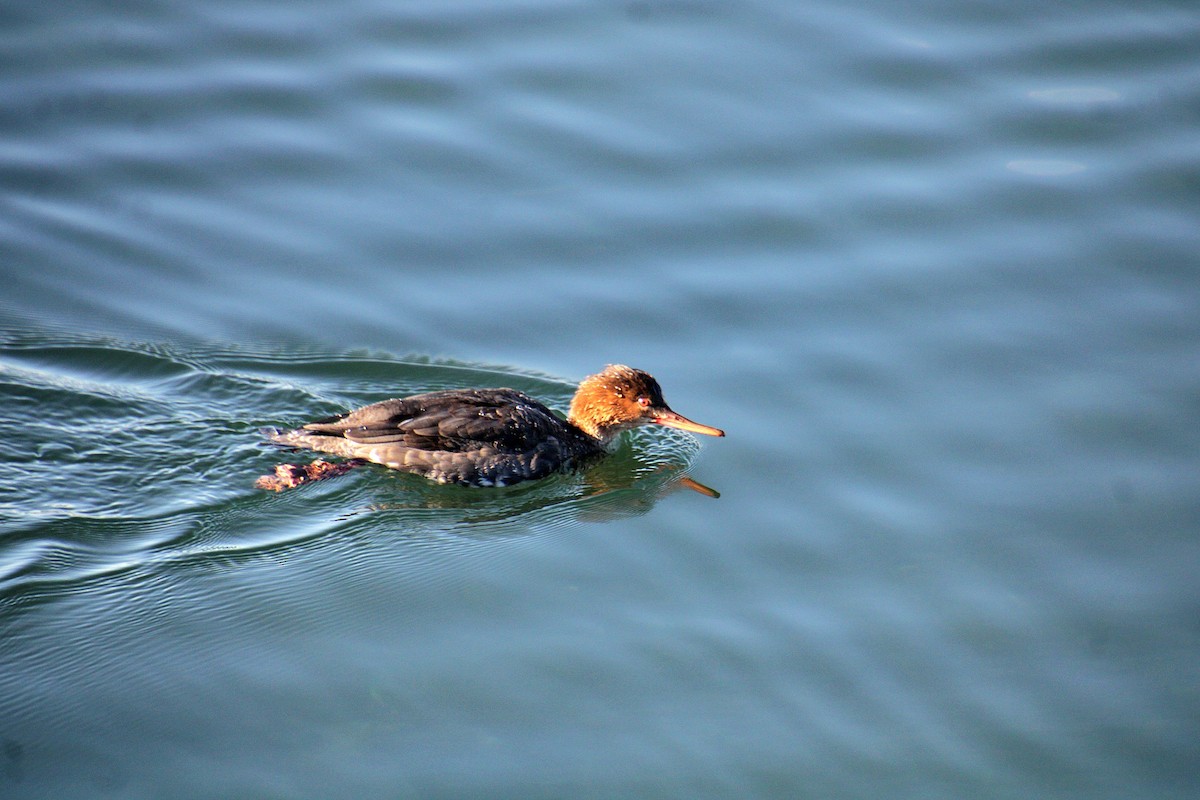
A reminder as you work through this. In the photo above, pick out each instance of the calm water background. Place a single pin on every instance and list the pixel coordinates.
(934, 266)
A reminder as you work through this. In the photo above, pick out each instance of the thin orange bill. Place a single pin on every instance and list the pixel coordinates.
(672, 420)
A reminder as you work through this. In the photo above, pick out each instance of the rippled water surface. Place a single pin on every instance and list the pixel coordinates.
(934, 269)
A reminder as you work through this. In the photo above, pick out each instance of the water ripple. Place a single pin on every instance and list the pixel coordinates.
(124, 456)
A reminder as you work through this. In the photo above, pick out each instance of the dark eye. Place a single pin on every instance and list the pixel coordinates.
(643, 401)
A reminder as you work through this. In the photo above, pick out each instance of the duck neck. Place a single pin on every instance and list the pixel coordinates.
(588, 429)
(592, 422)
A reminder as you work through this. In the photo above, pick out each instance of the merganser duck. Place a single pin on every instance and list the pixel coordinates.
(492, 437)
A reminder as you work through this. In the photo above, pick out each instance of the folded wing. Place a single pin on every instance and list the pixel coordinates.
(505, 420)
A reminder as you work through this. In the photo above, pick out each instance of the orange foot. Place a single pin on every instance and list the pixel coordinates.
(289, 476)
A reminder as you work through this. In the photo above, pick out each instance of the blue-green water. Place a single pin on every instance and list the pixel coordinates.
(934, 268)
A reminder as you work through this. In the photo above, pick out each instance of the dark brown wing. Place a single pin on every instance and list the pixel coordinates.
(458, 420)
